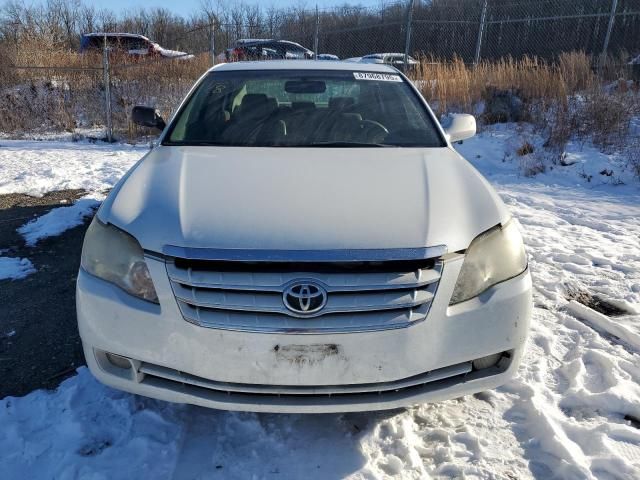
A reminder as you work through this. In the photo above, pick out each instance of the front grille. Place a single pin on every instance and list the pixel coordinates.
(361, 296)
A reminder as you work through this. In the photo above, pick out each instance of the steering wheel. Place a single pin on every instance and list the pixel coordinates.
(373, 131)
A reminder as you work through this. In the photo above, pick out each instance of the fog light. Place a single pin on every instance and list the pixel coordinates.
(118, 361)
(486, 362)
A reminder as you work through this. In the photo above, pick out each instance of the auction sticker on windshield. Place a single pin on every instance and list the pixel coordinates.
(383, 77)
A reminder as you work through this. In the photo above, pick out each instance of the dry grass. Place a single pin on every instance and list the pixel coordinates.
(525, 149)
(565, 98)
(606, 117)
(455, 85)
(64, 99)
(67, 92)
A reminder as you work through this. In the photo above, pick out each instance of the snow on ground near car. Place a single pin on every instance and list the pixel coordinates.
(37, 167)
(572, 412)
(58, 220)
(15, 268)
(34, 168)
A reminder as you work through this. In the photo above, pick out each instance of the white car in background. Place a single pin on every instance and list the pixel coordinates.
(327, 56)
(303, 238)
(395, 59)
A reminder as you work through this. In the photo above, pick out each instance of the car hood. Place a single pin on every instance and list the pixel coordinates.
(303, 199)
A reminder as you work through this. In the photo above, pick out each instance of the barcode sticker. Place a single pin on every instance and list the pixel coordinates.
(382, 77)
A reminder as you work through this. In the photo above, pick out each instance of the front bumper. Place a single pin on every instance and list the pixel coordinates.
(198, 362)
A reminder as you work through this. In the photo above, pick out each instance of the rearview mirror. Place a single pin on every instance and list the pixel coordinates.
(460, 127)
(147, 117)
(305, 86)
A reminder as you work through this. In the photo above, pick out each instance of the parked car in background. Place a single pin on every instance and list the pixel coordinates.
(129, 44)
(395, 59)
(303, 238)
(327, 56)
(265, 49)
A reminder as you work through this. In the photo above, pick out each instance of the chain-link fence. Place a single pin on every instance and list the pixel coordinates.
(472, 30)
(102, 87)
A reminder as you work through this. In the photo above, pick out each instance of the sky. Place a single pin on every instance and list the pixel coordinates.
(185, 7)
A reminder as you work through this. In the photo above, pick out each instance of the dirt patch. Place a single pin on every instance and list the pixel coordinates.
(595, 302)
(39, 341)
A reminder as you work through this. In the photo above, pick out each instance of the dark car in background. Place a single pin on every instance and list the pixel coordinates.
(130, 44)
(265, 49)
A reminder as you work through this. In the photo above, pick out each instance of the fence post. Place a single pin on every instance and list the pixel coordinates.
(315, 35)
(407, 39)
(212, 44)
(483, 19)
(607, 37)
(107, 89)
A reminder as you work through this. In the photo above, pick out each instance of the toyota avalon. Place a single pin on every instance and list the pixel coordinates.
(303, 238)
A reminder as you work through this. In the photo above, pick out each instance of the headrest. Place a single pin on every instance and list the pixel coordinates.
(341, 103)
(257, 104)
(253, 99)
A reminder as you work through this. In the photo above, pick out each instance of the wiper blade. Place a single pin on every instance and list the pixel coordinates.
(347, 145)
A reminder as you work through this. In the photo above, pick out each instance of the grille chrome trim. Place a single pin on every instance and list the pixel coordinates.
(332, 323)
(247, 296)
(335, 255)
(226, 387)
(272, 302)
(273, 282)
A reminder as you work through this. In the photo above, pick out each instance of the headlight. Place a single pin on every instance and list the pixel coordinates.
(493, 257)
(115, 256)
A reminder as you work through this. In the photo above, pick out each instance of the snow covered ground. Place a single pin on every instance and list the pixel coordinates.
(37, 167)
(59, 219)
(15, 268)
(573, 411)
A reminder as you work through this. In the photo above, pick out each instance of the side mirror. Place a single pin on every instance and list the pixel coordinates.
(147, 117)
(460, 127)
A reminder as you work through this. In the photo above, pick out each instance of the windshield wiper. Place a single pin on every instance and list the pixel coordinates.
(346, 145)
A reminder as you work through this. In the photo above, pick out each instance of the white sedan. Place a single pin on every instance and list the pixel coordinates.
(303, 238)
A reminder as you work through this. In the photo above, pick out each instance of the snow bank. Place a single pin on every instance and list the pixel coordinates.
(15, 268)
(605, 323)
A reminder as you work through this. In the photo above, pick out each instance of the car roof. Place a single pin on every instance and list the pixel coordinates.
(304, 65)
(383, 54)
(244, 41)
(107, 34)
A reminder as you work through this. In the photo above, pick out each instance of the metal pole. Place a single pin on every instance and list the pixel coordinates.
(315, 36)
(212, 45)
(407, 40)
(612, 19)
(107, 89)
(483, 19)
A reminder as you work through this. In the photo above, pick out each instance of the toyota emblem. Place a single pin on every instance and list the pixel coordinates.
(304, 297)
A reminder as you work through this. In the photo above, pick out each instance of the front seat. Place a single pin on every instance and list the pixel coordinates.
(253, 121)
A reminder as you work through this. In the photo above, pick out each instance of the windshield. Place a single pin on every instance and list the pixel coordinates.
(302, 108)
